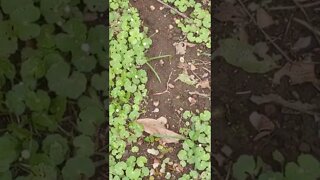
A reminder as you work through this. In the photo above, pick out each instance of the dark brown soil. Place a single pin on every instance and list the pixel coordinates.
(295, 134)
(176, 99)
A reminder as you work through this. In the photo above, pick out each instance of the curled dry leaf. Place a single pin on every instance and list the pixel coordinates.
(261, 123)
(298, 73)
(192, 101)
(181, 47)
(204, 84)
(156, 163)
(156, 127)
(296, 105)
(302, 43)
(226, 11)
(263, 18)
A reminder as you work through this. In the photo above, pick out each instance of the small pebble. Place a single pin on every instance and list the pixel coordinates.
(182, 59)
(156, 110)
(170, 26)
(161, 62)
(156, 103)
(152, 8)
(161, 8)
(171, 86)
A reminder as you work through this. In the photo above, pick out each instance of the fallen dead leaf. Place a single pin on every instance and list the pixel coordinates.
(181, 47)
(295, 105)
(156, 127)
(228, 12)
(156, 103)
(263, 18)
(156, 163)
(302, 43)
(298, 73)
(204, 84)
(192, 101)
(261, 122)
(153, 151)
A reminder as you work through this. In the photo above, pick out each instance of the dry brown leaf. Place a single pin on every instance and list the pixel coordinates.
(204, 84)
(298, 73)
(261, 122)
(181, 47)
(228, 12)
(261, 135)
(302, 43)
(156, 163)
(263, 18)
(156, 127)
(296, 105)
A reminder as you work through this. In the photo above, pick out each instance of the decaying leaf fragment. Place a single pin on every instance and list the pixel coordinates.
(244, 55)
(156, 127)
(262, 124)
(226, 11)
(263, 18)
(298, 73)
(181, 47)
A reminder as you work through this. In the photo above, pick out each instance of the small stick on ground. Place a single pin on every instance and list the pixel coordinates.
(200, 94)
(308, 26)
(167, 89)
(264, 33)
(173, 9)
(307, 18)
(294, 7)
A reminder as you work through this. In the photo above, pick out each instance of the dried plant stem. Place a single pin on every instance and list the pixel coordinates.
(264, 33)
(167, 89)
(173, 9)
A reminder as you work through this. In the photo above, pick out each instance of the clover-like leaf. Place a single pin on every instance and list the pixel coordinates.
(74, 36)
(7, 71)
(60, 82)
(78, 168)
(84, 62)
(141, 160)
(23, 19)
(43, 121)
(43, 171)
(245, 164)
(37, 101)
(53, 11)
(15, 98)
(8, 41)
(93, 114)
(84, 145)
(32, 69)
(58, 106)
(46, 37)
(98, 81)
(56, 147)
(96, 5)
(205, 116)
(9, 151)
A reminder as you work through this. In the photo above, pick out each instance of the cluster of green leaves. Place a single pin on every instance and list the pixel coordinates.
(182, 5)
(197, 28)
(127, 84)
(307, 167)
(50, 61)
(197, 147)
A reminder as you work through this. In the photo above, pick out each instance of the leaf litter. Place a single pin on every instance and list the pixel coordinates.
(156, 127)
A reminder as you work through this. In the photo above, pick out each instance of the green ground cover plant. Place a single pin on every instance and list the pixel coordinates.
(52, 75)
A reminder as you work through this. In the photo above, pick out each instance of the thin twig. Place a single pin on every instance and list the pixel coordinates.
(307, 18)
(287, 27)
(265, 34)
(173, 9)
(167, 89)
(308, 26)
(294, 7)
